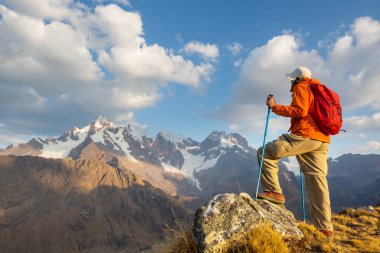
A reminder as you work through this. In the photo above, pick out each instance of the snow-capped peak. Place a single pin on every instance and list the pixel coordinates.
(101, 123)
(74, 131)
(171, 137)
(225, 140)
(221, 138)
(217, 135)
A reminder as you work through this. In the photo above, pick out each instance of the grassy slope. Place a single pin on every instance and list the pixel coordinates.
(355, 231)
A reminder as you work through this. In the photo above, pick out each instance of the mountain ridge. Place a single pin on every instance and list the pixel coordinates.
(172, 152)
(65, 205)
(195, 171)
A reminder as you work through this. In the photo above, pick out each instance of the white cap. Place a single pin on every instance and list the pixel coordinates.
(300, 72)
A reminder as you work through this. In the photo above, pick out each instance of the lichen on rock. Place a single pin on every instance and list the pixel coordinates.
(227, 217)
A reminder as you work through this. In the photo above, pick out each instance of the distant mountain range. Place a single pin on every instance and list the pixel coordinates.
(171, 152)
(178, 170)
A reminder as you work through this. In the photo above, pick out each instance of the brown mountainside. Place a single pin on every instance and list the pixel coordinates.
(173, 184)
(64, 205)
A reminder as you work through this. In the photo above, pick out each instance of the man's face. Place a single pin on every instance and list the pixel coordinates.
(292, 86)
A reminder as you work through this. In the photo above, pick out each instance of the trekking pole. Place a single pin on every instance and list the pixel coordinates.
(303, 198)
(262, 153)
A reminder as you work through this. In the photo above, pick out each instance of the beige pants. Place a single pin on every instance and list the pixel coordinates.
(312, 157)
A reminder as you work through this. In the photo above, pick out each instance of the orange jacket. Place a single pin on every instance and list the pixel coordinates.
(302, 123)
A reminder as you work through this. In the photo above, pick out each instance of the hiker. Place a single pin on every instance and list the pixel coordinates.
(308, 143)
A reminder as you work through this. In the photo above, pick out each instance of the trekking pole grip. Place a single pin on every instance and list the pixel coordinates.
(270, 96)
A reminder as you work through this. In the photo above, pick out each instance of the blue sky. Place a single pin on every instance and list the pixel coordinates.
(187, 67)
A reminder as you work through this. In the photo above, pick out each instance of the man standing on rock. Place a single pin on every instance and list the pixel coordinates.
(308, 143)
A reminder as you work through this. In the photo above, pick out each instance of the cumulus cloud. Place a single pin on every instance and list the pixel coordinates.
(132, 59)
(21, 99)
(121, 2)
(353, 64)
(60, 56)
(351, 68)
(371, 147)
(50, 58)
(364, 123)
(235, 48)
(262, 73)
(55, 9)
(206, 51)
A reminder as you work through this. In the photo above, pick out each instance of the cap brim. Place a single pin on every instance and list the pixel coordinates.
(291, 76)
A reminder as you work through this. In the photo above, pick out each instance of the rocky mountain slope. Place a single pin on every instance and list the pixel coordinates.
(354, 180)
(64, 205)
(168, 151)
(194, 171)
(190, 170)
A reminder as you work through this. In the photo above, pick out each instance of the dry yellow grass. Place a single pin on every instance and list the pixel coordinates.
(183, 243)
(262, 239)
(368, 220)
(360, 232)
(355, 231)
(313, 241)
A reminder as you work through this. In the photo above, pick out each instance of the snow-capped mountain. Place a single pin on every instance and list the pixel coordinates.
(104, 133)
(173, 153)
(184, 155)
(191, 170)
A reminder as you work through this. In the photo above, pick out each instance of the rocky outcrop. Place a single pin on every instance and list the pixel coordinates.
(227, 217)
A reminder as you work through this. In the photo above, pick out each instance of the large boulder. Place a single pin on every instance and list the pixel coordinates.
(227, 217)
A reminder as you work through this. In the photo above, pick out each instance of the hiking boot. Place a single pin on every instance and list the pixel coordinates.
(272, 197)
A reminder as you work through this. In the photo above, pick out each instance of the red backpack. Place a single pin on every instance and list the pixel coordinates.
(327, 112)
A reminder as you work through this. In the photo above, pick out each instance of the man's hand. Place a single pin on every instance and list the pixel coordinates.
(270, 101)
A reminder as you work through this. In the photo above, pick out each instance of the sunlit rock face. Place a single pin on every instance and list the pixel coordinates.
(227, 217)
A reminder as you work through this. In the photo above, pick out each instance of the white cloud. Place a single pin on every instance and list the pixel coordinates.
(235, 48)
(366, 32)
(206, 51)
(21, 99)
(131, 59)
(353, 64)
(262, 73)
(351, 67)
(371, 147)
(57, 9)
(85, 61)
(121, 2)
(238, 63)
(50, 58)
(362, 124)
(293, 165)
